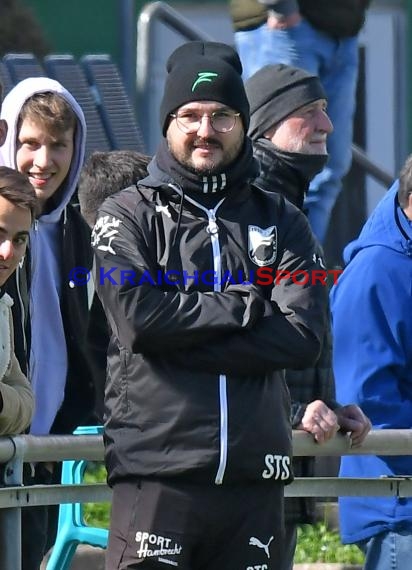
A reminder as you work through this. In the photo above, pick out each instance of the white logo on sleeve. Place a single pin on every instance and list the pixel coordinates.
(104, 232)
(256, 542)
(319, 260)
(163, 210)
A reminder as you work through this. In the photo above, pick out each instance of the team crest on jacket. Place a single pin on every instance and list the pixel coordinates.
(263, 245)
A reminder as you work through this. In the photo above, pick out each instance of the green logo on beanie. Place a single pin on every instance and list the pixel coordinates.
(203, 76)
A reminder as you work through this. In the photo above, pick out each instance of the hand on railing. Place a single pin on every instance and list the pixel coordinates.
(354, 422)
(320, 421)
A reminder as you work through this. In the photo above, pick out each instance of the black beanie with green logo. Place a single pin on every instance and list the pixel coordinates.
(204, 71)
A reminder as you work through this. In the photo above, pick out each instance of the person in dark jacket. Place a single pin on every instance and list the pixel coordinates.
(198, 433)
(320, 36)
(289, 126)
(46, 141)
(104, 174)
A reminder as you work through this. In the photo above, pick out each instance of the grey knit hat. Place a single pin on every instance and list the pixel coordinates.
(276, 91)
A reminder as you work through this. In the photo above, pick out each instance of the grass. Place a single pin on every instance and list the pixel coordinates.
(316, 543)
(96, 514)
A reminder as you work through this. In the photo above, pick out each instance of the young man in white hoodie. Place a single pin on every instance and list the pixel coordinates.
(46, 141)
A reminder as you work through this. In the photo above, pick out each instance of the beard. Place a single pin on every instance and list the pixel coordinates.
(210, 165)
(300, 146)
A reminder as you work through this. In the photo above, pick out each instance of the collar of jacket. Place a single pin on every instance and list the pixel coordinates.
(288, 173)
(243, 169)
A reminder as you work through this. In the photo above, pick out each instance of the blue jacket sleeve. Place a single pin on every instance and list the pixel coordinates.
(372, 337)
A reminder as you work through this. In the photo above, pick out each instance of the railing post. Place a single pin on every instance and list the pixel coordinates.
(127, 42)
(10, 519)
(151, 13)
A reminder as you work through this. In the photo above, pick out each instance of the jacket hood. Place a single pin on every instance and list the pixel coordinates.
(11, 108)
(387, 227)
(156, 178)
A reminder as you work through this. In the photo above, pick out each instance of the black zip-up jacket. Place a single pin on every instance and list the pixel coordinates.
(337, 18)
(195, 386)
(79, 399)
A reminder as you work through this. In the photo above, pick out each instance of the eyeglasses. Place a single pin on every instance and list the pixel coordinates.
(221, 121)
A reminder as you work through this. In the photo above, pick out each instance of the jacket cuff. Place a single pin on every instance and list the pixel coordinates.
(296, 413)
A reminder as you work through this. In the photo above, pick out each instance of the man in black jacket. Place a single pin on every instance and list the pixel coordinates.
(289, 126)
(104, 174)
(198, 435)
(320, 36)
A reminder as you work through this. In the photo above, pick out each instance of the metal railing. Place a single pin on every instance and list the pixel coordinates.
(152, 13)
(14, 451)
(361, 158)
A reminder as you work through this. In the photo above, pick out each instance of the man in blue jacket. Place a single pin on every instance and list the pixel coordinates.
(372, 327)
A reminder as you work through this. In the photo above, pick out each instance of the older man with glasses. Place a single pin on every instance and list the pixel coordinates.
(198, 437)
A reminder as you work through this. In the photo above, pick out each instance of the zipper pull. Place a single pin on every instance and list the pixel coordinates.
(212, 227)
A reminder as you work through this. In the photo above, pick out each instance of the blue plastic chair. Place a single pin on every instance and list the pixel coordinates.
(23, 65)
(117, 111)
(71, 529)
(5, 78)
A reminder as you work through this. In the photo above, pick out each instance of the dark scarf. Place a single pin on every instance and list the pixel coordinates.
(288, 173)
(243, 169)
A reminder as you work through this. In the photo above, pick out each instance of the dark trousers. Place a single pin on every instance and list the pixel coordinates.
(289, 547)
(155, 524)
(38, 524)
